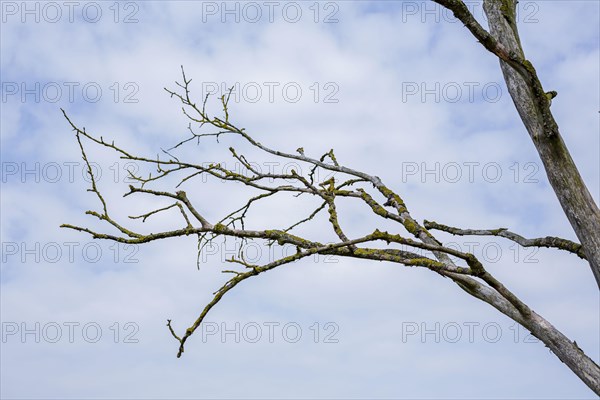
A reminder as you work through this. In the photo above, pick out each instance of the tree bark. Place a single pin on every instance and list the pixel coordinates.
(533, 106)
(568, 352)
(573, 195)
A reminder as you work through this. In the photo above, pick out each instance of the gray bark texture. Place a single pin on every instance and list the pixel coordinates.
(533, 106)
(534, 109)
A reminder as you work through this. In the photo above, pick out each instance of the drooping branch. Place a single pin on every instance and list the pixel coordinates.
(348, 183)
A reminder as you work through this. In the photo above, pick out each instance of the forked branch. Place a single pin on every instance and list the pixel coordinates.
(410, 245)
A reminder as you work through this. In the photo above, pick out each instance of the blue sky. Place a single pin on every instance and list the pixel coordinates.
(398, 89)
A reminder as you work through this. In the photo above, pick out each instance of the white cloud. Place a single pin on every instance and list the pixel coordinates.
(372, 56)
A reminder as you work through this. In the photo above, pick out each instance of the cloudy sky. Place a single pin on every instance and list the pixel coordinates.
(400, 90)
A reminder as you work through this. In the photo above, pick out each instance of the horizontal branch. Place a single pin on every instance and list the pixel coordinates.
(547, 241)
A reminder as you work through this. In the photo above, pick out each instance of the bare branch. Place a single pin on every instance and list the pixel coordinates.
(347, 183)
(547, 241)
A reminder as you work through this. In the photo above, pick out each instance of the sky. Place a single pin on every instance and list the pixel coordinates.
(399, 89)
